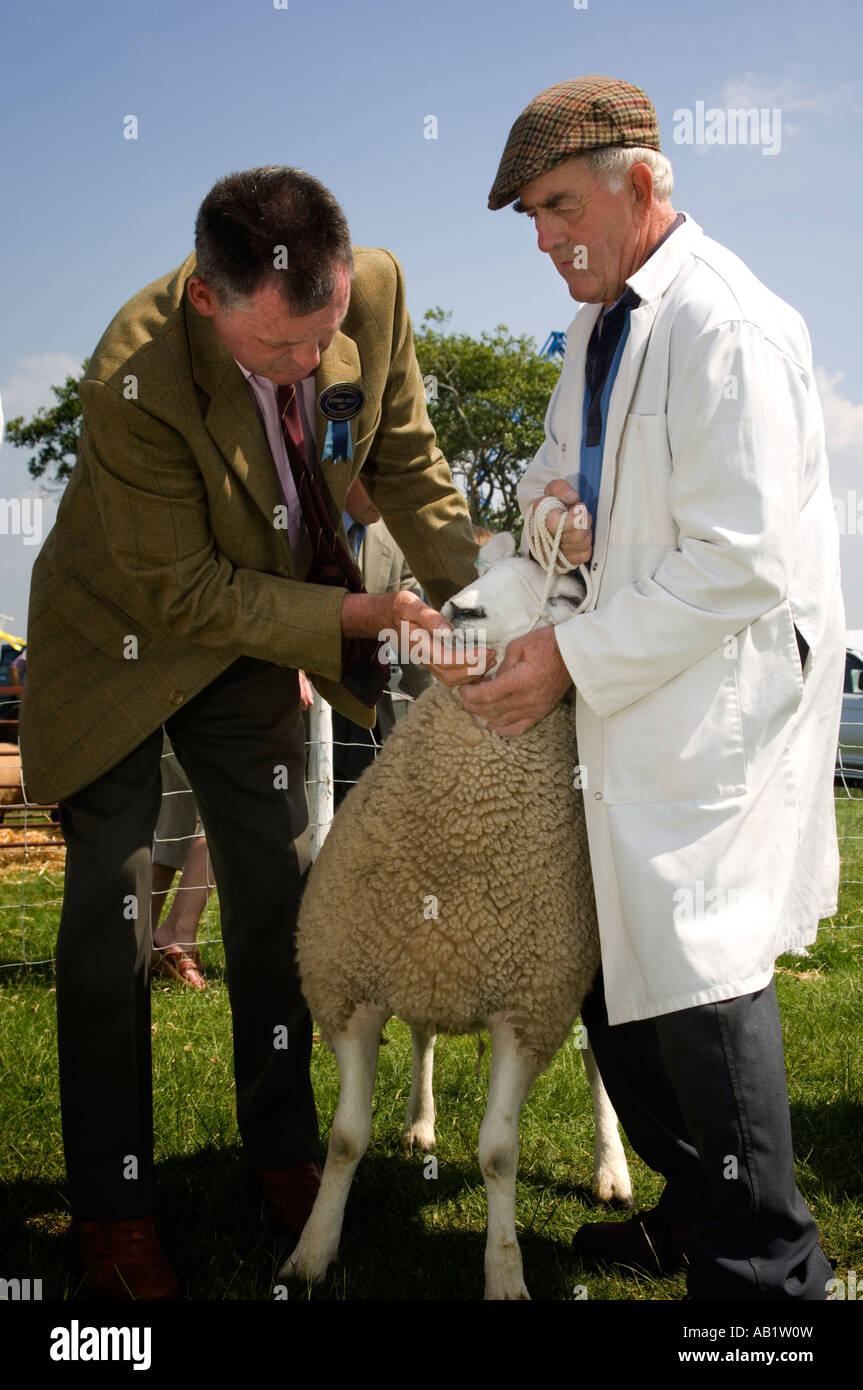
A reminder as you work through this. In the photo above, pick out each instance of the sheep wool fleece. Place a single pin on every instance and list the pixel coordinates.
(455, 882)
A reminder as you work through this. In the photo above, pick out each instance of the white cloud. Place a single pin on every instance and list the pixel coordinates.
(29, 386)
(16, 564)
(790, 96)
(799, 103)
(752, 90)
(843, 425)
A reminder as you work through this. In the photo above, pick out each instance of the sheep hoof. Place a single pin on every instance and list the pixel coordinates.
(419, 1136)
(504, 1275)
(508, 1292)
(613, 1188)
(302, 1265)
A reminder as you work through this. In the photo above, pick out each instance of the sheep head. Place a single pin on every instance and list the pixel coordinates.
(506, 600)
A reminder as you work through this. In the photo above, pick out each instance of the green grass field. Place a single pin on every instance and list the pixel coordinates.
(408, 1235)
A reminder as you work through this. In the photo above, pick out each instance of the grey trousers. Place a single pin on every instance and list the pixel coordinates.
(178, 821)
(241, 744)
(703, 1099)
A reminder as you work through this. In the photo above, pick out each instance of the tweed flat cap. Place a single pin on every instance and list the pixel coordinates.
(588, 113)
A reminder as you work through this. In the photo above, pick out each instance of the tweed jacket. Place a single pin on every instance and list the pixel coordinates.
(167, 561)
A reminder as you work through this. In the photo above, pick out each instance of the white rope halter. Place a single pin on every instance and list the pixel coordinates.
(545, 549)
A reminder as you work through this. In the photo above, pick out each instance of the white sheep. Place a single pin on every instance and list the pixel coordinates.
(454, 890)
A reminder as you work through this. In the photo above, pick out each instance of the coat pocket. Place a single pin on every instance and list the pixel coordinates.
(98, 619)
(640, 515)
(682, 742)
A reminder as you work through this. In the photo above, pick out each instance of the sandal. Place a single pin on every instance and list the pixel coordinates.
(185, 966)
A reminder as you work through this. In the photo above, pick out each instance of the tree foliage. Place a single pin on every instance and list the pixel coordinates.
(487, 399)
(53, 432)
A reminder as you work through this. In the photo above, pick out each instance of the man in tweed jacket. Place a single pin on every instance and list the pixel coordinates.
(169, 577)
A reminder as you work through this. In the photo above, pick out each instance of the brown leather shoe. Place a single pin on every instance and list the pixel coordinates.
(645, 1242)
(292, 1192)
(123, 1259)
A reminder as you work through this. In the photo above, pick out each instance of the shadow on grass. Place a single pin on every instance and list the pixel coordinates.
(400, 1240)
(829, 1138)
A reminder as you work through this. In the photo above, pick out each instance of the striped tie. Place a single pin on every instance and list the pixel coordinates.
(364, 675)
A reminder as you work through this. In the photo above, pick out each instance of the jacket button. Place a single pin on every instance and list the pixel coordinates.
(176, 697)
(563, 448)
(597, 796)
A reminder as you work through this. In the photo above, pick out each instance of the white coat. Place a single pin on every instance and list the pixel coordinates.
(706, 753)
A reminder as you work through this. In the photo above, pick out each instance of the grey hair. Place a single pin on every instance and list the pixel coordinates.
(611, 164)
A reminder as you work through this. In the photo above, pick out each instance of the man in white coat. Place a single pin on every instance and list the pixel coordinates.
(684, 454)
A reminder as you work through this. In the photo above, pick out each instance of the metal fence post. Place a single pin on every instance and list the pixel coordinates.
(320, 772)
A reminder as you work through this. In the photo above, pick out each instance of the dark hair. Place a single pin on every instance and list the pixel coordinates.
(272, 225)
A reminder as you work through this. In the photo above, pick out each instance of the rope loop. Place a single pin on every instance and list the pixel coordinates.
(544, 547)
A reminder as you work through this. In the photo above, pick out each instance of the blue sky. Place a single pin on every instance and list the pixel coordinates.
(343, 88)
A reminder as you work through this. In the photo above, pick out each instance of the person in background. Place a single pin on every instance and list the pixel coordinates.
(18, 669)
(9, 709)
(179, 844)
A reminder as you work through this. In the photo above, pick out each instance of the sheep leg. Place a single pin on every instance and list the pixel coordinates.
(356, 1051)
(420, 1117)
(511, 1077)
(611, 1181)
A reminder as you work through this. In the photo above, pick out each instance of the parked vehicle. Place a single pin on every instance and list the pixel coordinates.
(849, 757)
(8, 707)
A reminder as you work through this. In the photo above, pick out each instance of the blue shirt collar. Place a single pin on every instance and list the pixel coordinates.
(348, 521)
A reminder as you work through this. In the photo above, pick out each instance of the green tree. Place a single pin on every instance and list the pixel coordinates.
(53, 432)
(487, 399)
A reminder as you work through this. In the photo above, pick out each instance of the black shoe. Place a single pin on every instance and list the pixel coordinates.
(646, 1242)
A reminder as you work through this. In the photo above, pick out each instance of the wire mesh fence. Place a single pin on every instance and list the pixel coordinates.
(32, 853)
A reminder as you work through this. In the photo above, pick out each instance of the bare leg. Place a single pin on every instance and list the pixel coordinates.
(512, 1075)
(180, 927)
(163, 877)
(610, 1170)
(356, 1053)
(420, 1117)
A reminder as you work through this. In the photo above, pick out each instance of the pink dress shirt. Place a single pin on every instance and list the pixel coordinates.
(264, 392)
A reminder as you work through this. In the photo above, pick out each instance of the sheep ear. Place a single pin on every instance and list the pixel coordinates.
(499, 547)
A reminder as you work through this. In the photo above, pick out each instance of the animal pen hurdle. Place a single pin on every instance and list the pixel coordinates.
(32, 852)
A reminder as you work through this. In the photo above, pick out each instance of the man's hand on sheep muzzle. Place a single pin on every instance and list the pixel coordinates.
(420, 632)
(532, 680)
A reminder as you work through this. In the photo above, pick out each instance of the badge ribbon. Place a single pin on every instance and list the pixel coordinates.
(338, 444)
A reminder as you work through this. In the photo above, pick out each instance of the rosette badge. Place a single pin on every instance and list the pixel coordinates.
(342, 401)
(339, 404)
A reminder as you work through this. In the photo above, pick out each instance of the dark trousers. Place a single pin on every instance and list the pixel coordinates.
(241, 744)
(702, 1097)
(354, 749)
